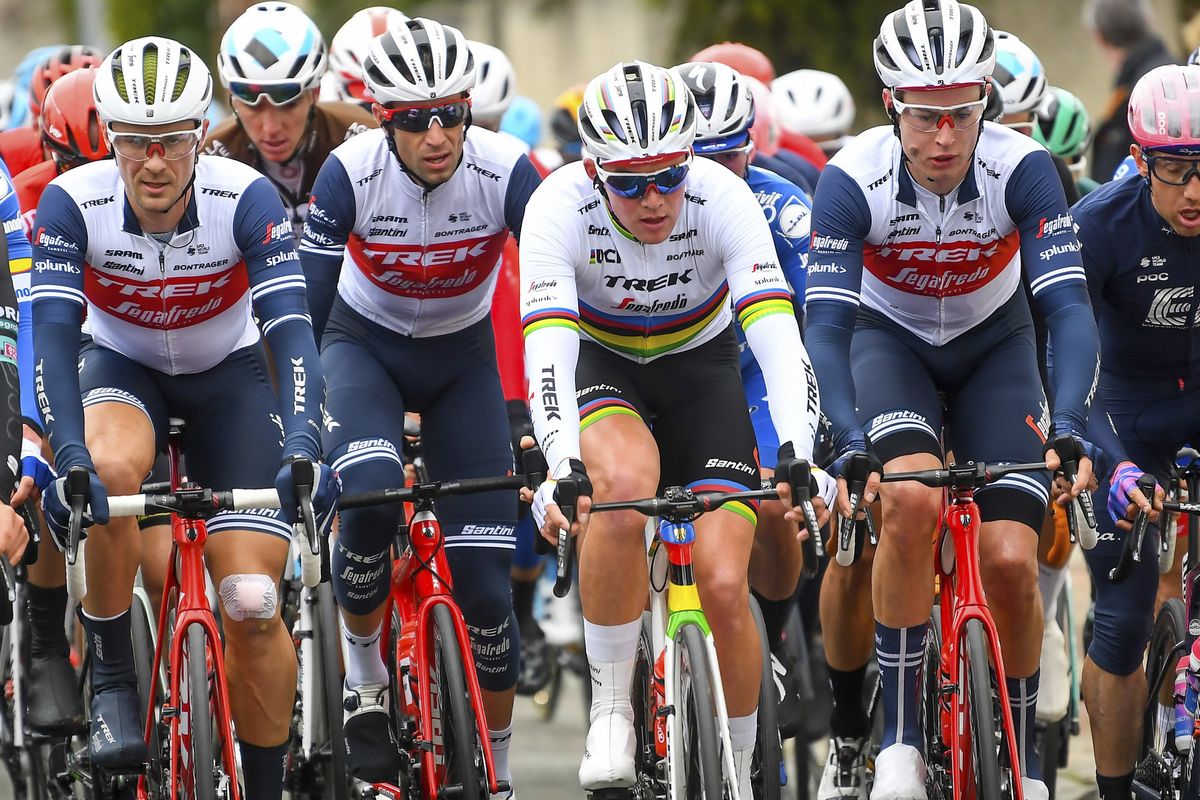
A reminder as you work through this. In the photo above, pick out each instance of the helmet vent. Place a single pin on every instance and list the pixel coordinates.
(150, 72)
(181, 76)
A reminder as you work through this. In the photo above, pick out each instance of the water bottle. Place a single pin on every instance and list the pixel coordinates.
(660, 699)
(1184, 719)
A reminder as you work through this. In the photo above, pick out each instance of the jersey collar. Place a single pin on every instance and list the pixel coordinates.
(190, 220)
(968, 190)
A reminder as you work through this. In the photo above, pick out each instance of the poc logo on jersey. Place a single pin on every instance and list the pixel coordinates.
(601, 255)
(1147, 277)
(820, 242)
(1049, 227)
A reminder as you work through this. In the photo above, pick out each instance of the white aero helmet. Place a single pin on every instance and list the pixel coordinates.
(933, 43)
(724, 104)
(636, 111)
(152, 81)
(495, 82)
(272, 43)
(1018, 75)
(349, 46)
(813, 103)
(418, 60)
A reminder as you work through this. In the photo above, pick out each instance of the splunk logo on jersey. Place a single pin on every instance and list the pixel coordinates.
(1169, 308)
(1059, 224)
(820, 242)
(279, 258)
(65, 267)
(1058, 249)
(169, 304)
(440, 269)
(54, 243)
(604, 255)
(634, 306)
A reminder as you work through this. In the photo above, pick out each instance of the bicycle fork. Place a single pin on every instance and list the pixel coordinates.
(967, 602)
(682, 608)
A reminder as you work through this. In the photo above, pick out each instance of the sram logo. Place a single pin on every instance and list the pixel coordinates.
(441, 269)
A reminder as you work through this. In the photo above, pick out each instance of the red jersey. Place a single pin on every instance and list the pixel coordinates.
(30, 184)
(21, 148)
(804, 147)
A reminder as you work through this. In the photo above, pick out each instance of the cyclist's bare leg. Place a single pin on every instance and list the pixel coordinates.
(156, 552)
(775, 559)
(260, 658)
(903, 560)
(848, 629)
(1115, 704)
(722, 551)
(1008, 568)
(121, 441)
(622, 462)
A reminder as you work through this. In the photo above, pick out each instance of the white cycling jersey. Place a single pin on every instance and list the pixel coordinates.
(583, 275)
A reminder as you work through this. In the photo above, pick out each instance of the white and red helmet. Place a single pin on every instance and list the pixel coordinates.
(1164, 110)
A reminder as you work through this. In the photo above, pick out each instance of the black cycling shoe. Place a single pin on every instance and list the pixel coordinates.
(791, 715)
(535, 660)
(55, 706)
(371, 751)
(116, 730)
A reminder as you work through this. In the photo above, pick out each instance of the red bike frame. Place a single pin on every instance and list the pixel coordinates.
(965, 601)
(420, 582)
(185, 587)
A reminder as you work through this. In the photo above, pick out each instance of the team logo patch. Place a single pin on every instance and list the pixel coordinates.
(440, 269)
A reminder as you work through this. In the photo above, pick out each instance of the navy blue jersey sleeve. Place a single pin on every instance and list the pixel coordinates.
(57, 298)
(20, 256)
(1050, 254)
(521, 183)
(331, 215)
(263, 232)
(841, 222)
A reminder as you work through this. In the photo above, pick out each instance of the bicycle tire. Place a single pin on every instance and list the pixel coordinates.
(199, 716)
(329, 654)
(1158, 724)
(768, 748)
(981, 713)
(641, 696)
(463, 754)
(937, 780)
(143, 657)
(696, 713)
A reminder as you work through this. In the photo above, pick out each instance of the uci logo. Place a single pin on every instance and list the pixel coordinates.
(601, 255)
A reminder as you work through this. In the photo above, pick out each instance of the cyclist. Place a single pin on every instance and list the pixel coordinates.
(13, 534)
(815, 104)
(942, 210)
(72, 132)
(116, 239)
(348, 49)
(724, 133)
(21, 148)
(638, 251)
(278, 127)
(1138, 235)
(1063, 128)
(427, 190)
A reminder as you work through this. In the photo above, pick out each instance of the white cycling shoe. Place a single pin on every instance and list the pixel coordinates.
(899, 774)
(845, 774)
(1034, 789)
(608, 753)
(1054, 693)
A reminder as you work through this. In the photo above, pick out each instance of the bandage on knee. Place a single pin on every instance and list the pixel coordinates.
(248, 597)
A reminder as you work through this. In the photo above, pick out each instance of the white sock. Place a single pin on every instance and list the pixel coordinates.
(611, 650)
(364, 664)
(743, 731)
(1050, 581)
(500, 741)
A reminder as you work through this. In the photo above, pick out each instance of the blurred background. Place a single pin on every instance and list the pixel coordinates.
(556, 43)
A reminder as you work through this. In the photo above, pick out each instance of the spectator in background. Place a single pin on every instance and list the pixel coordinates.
(1124, 32)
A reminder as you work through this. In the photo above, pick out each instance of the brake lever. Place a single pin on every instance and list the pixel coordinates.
(1064, 445)
(567, 494)
(799, 480)
(1146, 485)
(858, 470)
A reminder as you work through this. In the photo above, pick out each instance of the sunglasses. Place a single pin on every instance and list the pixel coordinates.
(1173, 171)
(278, 94)
(172, 146)
(420, 116)
(633, 185)
(928, 119)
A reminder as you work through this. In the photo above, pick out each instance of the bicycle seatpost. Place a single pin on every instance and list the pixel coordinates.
(856, 473)
(799, 479)
(567, 494)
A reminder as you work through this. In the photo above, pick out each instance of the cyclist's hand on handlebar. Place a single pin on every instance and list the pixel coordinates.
(13, 535)
(36, 474)
(1126, 500)
(870, 491)
(823, 490)
(526, 493)
(57, 508)
(324, 494)
(546, 512)
(1085, 480)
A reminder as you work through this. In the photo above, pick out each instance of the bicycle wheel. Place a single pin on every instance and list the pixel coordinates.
(199, 717)
(143, 656)
(937, 779)
(336, 783)
(641, 695)
(986, 738)
(768, 748)
(1158, 757)
(461, 761)
(696, 714)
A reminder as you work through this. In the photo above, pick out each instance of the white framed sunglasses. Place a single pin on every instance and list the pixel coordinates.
(174, 145)
(928, 119)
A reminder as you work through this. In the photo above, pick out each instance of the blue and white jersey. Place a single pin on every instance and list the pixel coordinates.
(19, 263)
(1126, 168)
(179, 305)
(938, 266)
(418, 261)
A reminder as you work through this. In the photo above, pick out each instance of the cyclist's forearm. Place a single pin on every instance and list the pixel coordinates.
(1076, 363)
(301, 385)
(56, 350)
(551, 354)
(828, 332)
(791, 383)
